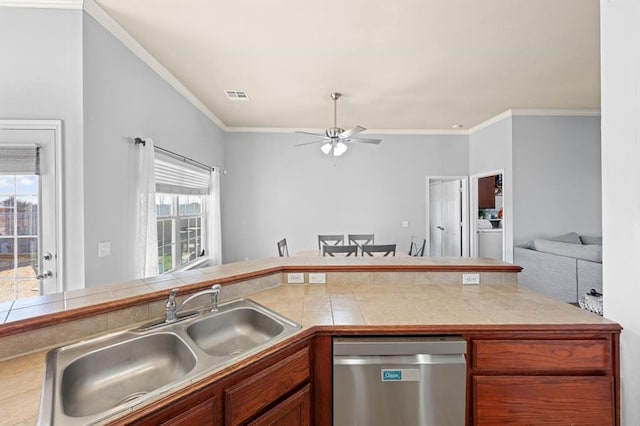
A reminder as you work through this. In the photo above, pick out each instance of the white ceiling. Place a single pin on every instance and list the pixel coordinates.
(401, 64)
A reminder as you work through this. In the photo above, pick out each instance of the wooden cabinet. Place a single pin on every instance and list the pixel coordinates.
(293, 411)
(487, 192)
(251, 395)
(539, 400)
(536, 355)
(272, 391)
(514, 376)
(200, 415)
(196, 408)
(546, 380)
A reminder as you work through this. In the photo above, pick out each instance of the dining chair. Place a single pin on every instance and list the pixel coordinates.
(330, 240)
(346, 250)
(415, 250)
(385, 249)
(283, 250)
(360, 239)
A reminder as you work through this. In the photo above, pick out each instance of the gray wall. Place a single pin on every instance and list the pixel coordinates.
(620, 41)
(41, 78)
(557, 184)
(491, 149)
(124, 98)
(275, 190)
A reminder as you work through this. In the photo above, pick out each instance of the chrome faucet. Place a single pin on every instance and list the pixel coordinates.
(171, 308)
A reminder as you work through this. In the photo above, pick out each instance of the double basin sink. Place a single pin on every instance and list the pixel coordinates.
(90, 381)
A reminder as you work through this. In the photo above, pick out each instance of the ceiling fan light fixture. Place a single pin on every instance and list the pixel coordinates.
(339, 149)
(334, 138)
(326, 148)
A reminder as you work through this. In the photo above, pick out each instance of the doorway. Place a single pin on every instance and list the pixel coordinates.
(489, 215)
(30, 247)
(447, 216)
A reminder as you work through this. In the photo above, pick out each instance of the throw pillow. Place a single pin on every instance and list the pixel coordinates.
(571, 237)
(589, 252)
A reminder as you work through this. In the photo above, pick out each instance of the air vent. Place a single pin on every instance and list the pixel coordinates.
(236, 95)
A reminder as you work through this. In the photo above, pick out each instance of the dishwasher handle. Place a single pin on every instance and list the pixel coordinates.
(408, 360)
(365, 346)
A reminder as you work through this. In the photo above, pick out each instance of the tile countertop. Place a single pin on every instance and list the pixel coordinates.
(352, 302)
(37, 308)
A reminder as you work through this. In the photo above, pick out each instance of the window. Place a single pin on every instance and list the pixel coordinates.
(181, 208)
(180, 230)
(19, 201)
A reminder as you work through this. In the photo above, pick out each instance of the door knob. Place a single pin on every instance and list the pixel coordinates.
(45, 275)
(440, 228)
(47, 256)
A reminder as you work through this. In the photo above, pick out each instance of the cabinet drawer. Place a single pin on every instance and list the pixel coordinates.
(542, 400)
(202, 414)
(295, 410)
(523, 355)
(254, 393)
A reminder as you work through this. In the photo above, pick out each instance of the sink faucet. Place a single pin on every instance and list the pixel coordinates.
(171, 308)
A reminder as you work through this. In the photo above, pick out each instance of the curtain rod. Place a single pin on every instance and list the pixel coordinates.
(139, 141)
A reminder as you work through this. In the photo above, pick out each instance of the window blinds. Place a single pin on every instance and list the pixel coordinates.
(19, 159)
(175, 177)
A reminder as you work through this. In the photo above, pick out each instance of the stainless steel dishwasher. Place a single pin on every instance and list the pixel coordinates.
(399, 381)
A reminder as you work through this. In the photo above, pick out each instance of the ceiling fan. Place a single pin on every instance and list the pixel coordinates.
(335, 138)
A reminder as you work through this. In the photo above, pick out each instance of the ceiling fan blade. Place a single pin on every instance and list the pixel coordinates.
(348, 133)
(312, 142)
(364, 140)
(322, 135)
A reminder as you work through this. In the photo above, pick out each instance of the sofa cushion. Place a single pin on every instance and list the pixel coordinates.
(591, 252)
(591, 240)
(571, 237)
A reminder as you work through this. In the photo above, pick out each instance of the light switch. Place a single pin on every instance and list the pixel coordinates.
(405, 223)
(104, 248)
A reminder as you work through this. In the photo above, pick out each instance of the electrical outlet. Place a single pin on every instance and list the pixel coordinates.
(295, 278)
(470, 278)
(104, 248)
(405, 223)
(317, 278)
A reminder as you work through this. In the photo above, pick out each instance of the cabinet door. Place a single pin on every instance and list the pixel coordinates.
(540, 400)
(250, 396)
(293, 411)
(200, 415)
(487, 192)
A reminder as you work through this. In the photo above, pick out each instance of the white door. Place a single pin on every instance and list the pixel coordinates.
(445, 218)
(451, 219)
(435, 219)
(28, 206)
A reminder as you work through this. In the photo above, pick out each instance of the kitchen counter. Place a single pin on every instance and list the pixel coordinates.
(354, 302)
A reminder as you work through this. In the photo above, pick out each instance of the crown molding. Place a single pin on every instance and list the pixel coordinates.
(43, 4)
(100, 15)
(490, 121)
(368, 131)
(557, 112)
(540, 112)
(417, 131)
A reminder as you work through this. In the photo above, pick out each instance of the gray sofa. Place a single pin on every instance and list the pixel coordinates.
(565, 267)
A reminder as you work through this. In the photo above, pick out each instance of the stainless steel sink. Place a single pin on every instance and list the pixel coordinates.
(234, 332)
(94, 380)
(118, 373)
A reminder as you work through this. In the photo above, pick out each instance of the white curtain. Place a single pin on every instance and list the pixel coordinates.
(214, 229)
(146, 235)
